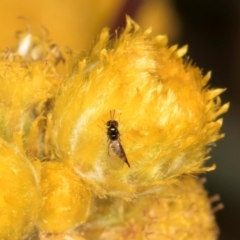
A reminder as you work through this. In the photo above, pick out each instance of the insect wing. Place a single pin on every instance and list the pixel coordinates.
(122, 155)
(114, 149)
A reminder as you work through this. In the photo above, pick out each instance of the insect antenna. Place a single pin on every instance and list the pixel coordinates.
(112, 114)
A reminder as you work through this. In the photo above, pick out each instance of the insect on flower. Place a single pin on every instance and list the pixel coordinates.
(114, 139)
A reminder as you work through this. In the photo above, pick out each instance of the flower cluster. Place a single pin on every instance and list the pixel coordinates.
(58, 156)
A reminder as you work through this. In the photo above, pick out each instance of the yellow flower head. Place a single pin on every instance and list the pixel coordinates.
(65, 201)
(167, 116)
(25, 87)
(187, 217)
(19, 195)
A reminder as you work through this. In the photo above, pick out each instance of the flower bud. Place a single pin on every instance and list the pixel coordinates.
(187, 216)
(167, 117)
(25, 88)
(65, 200)
(19, 195)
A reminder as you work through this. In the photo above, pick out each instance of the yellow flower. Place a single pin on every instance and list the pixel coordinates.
(187, 217)
(65, 201)
(128, 122)
(25, 88)
(168, 118)
(19, 195)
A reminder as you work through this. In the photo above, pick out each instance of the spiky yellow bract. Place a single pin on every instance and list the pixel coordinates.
(167, 116)
(19, 195)
(65, 200)
(187, 217)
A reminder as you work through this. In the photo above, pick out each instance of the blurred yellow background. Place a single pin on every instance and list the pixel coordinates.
(76, 23)
(71, 23)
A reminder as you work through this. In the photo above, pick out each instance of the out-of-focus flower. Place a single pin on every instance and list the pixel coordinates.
(25, 89)
(188, 216)
(68, 236)
(71, 23)
(65, 200)
(161, 16)
(19, 195)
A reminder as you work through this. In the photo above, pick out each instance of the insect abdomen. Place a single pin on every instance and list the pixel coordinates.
(117, 148)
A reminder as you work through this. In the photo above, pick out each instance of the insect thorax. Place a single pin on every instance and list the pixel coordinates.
(113, 133)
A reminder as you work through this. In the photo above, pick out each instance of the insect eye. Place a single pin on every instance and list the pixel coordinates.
(108, 123)
(116, 123)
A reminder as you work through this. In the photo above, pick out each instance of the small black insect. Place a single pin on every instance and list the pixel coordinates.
(114, 138)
